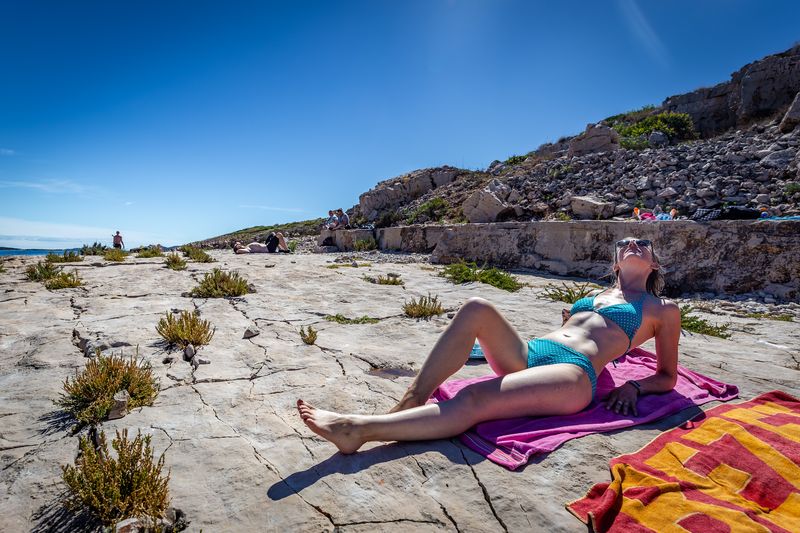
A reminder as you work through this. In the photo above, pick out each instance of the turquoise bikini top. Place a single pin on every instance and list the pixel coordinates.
(628, 315)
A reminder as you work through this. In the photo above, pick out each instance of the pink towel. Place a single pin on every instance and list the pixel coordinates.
(511, 442)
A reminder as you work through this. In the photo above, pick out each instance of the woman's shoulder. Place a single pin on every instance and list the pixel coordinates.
(661, 307)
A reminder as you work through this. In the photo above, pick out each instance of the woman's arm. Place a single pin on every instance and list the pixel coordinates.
(668, 331)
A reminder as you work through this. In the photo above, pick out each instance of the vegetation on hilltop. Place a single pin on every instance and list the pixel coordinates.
(289, 229)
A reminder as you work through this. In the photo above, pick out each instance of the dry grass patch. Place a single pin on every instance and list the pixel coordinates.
(771, 316)
(309, 335)
(196, 254)
(175, 262)
(569, 293)
(150, 251)
(42, 271)
(388, 279)
(68, 257)
(63, 280)
(354, 264)
(115, 488)
(220, 284)
(341, 319)
(185, 328)
(115, 254)
(425, 307)
(89, 396)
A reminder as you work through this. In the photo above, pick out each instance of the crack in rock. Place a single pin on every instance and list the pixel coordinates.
(485, 492)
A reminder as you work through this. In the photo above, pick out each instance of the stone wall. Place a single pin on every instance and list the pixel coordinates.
(722, 256)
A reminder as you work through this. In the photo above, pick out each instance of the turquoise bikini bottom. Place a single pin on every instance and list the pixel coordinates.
(543, 352)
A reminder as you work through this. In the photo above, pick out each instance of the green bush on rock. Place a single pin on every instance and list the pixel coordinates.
(113, 488)
(220, 284)
(89, 397)
(464, 272)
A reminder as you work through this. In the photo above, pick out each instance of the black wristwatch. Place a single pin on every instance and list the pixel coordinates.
(636, 385)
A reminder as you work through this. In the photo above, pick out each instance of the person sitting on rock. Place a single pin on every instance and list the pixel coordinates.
(342, 220)
(551, 375)
(332, 221)
(275, 243)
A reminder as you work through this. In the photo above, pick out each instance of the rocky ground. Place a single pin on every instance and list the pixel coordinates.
(241, 459)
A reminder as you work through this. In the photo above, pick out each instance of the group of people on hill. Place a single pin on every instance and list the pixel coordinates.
(337, 219)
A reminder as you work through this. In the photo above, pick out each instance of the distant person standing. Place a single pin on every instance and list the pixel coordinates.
(118, 242)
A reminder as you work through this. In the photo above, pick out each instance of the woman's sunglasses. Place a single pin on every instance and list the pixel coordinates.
(639, 242)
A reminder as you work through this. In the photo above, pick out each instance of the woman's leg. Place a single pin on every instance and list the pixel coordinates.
(545, 390)
(505, 351)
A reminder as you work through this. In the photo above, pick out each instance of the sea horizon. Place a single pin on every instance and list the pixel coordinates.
(34, 251)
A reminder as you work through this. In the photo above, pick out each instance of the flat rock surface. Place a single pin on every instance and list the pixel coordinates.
(240, 457)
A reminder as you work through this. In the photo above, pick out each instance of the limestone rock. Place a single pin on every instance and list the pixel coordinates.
(393, 193)
(596, 138)
(120, 408)
(251, 332)
(779, 159)
(483, 206)
(587, 207)
(189, 352)
(792, 116)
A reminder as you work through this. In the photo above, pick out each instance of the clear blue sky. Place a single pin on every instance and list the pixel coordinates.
(174, 121)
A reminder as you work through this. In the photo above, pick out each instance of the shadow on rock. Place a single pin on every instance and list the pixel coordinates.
(53, 517)
(339, 463)
(56, 422)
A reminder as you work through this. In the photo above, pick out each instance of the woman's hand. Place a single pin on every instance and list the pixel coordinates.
(565, 314)
(623, 400)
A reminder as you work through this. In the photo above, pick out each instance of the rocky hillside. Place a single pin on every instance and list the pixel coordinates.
(740, 148)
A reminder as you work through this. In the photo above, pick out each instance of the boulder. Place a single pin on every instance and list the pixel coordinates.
(390, 194)
(120, 408)
(658, 139)
(587, 207)
(779, 159)
(189, 352)
(483, 206)
(596, 138)
(251, 332)
(792, 116)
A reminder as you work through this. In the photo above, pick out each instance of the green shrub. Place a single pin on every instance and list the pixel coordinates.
(94, 249)
(220, 284)
(185, 328)
(389, 279)
(42, 271)
(770, 316)
(425, 307)
(464, 272)
(68, 257)
(559, 170)
(63, 280)
(309, 336)
(112, 489)
(115, 254)
(363, 245)
(792, 188)
(631, 116)
(90, 396)
(433, 209)
(2, 267)
(196, 254)
(677, 126)
(569, 293)
(348, 265)
(292, 246)
(634, 143)
(175, 261)
(514, 160)
(699, 325)
(341, 319)
(150, 251)
(561, 216)
(388, 218)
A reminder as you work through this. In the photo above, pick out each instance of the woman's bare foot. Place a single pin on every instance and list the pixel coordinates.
(408, 401)
(331, 426)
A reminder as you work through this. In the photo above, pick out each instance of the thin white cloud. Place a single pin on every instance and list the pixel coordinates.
(643, 31)
(7, 151)
(268, 208)
(48, 186)
(20, 233)
(128, 203)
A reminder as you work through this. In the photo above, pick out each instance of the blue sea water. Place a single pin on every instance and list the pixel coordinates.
(32, 251)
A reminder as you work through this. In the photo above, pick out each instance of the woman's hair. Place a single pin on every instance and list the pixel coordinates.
(655, 281)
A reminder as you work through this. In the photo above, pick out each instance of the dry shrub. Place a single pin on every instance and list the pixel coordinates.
(425, 307)
(309, 336)
(185, 328)
(63, 280)
(175, 262)
(220, 284)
